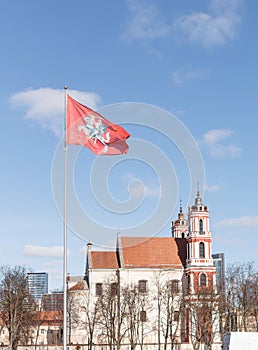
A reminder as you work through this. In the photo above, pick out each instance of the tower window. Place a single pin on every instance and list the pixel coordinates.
(203, 279)
(202, 250)
(201, 227)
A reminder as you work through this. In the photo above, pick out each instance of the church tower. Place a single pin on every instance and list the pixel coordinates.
(179, 227)
(200, 272)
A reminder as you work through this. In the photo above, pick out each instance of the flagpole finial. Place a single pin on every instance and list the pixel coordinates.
(65, 87)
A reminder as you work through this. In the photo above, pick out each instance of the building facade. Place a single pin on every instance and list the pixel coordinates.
(156, 292)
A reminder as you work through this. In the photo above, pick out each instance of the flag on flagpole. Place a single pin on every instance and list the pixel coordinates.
(90, 129)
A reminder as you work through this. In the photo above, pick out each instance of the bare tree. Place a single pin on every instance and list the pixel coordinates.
(204, 316)
(254, 298)
(168, 300)
(130, 296)
(17, 305)
(73, 317)
(39, 318)
(112, 315)
(172, 304)
(240, 296)
(89, 316)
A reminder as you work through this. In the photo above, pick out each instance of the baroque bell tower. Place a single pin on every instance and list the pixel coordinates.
(200, 272)
(179, 227)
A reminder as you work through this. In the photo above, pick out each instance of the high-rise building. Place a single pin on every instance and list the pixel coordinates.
(38, 284)
(219, 263)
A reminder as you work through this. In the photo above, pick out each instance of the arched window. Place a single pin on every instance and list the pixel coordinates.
(203, 279)
(202, 250)
(201, 227)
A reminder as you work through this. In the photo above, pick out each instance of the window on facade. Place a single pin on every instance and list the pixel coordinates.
(201, 227)
(142, 286)
(202, 250)
(98, 289)
(203, 279)
(143, 316)
(42, 331)
(176, 316)
(114, 289)
(174, 286)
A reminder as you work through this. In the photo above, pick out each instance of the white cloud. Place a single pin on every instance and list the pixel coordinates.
(222, 151)
(140, 190)
(213, 140)
(216, 135)
(214, 188)
(213, 28)
(183, 75)
(144, 23)
(216, 26)
(40, 251)
(46, 105)
(244, 221)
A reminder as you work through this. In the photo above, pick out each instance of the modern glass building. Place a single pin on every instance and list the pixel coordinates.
(38, 284)
(219, 263)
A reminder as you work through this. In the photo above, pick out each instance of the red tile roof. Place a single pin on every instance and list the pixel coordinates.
(104, 260)
(143, 252)
(78, 286)
(49, 317)
(155, 252)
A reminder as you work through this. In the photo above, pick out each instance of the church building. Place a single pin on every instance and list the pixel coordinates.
(156, 292)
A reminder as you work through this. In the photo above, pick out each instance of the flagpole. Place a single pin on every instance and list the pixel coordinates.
(65, 231)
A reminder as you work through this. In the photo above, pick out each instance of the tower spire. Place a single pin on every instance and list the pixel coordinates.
(198, 199)
(180, 226)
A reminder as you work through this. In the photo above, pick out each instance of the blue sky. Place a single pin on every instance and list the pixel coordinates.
(193, 60)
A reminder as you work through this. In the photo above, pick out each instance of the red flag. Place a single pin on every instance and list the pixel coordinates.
(90, 129)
